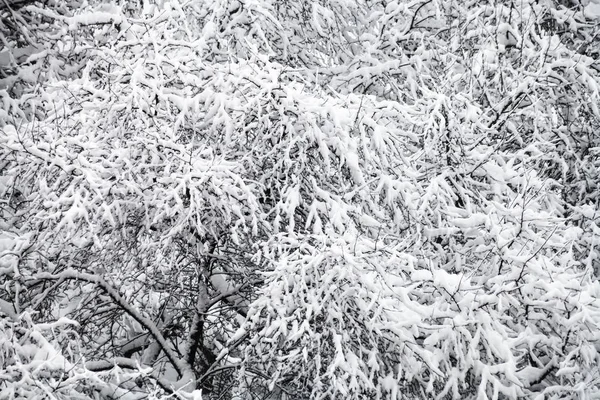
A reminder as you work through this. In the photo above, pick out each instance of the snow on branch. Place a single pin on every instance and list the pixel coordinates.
(180, 366)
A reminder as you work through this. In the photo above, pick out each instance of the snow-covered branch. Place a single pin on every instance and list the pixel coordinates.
(180, 366)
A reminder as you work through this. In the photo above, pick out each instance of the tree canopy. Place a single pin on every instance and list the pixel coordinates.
(333, 199)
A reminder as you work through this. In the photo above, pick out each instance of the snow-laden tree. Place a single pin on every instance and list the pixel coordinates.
(334, 199)
(474, 273)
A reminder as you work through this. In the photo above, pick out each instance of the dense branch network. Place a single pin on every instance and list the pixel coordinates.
(311, 200)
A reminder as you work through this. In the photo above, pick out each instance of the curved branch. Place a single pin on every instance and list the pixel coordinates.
(127, 363)
(105, 365)
(180, 366)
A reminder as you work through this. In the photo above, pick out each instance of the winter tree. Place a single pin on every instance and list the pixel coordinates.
(300, 200)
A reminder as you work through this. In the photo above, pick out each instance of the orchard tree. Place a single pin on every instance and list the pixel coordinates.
(305, 200)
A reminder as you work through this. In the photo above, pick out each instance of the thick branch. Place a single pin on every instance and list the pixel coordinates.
(180, 366)
(127, 363)
(197, 329)
(196, 334)
(105, 365)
